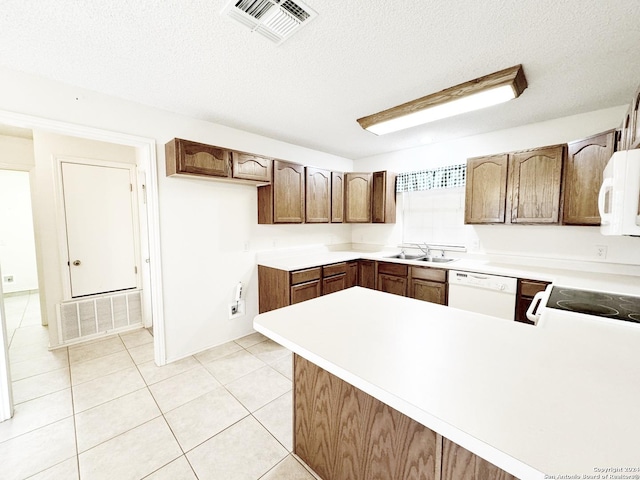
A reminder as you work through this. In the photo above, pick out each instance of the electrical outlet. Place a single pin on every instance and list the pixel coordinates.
(7, 279)
(236, 310)
(601, 251)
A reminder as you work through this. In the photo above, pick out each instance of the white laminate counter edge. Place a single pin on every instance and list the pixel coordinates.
(474, 445)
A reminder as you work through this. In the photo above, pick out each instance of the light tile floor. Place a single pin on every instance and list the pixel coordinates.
(104, 410)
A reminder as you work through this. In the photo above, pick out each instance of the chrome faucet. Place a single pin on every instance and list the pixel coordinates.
(425, 249)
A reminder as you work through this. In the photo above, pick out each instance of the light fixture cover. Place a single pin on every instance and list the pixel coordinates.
(475, 94)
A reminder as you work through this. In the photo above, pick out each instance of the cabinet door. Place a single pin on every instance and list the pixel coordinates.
(357, 197)
(428, 291)
(352, 274)
(337, 197)
(392, 284)
(318, 195)
(288, 192)
(184, 156)
(384, 197)
(305, 291)
(583, 169)
(534, 185)
(525, 293)
(367, 274)
(334, 284)
(251, 167)
(486, 188)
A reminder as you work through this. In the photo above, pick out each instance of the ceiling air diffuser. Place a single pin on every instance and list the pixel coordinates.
(275, 19)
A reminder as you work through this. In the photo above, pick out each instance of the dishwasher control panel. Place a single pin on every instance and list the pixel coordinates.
(481, 280)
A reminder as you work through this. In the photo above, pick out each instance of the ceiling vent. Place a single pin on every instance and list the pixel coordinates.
(275, 19)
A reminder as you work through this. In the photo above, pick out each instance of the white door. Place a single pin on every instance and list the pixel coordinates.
(99, 215)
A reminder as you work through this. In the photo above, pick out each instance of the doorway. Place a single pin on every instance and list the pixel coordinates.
(145, 151)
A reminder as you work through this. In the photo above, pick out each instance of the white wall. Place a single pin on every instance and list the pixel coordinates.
(204, 225)
(540, 241)
(17, 245)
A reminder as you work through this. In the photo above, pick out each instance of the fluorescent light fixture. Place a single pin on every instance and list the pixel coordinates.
(482, 92)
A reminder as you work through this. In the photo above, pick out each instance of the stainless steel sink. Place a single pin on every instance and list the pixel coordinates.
(405, 256)
(438, 260)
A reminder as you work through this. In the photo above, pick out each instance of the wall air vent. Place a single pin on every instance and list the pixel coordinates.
(275, 19)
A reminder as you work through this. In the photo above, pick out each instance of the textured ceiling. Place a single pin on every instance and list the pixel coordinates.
(356, 58)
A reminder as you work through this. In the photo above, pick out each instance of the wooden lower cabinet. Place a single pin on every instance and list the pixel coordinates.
(392, 278)
(352, 274)
(367, 273)
(305, 291)
(428, 284)
(343, 433)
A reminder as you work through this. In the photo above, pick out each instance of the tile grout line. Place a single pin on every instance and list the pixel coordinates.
(162, 414)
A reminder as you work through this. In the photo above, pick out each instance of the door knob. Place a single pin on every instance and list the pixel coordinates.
(76, 262)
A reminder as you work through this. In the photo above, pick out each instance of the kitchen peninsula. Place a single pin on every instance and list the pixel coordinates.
(536, 402)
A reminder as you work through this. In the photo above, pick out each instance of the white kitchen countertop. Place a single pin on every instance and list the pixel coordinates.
(578, 278)
(559, 398)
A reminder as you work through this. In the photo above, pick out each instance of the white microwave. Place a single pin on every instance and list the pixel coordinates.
(619, 197)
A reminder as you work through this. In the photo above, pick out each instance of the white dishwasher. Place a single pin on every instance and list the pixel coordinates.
(481, 293)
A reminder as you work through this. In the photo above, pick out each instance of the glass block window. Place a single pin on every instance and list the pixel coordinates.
(444, 177)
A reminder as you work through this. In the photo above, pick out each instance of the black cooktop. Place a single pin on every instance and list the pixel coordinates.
(608, 305)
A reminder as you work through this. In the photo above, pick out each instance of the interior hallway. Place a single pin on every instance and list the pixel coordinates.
(105, 411)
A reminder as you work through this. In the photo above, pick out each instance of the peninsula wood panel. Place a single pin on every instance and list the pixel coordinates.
(486, 189)
(344, 434)
(337, 197)
(318, 195)
(534, 185)
(357, 197)
(585, 162)
(460, 464)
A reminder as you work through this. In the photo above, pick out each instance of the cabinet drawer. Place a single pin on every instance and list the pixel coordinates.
(529, 288)
(427, 273)
(307, 275)
(335, 269)
(305, 291)
(393, 269)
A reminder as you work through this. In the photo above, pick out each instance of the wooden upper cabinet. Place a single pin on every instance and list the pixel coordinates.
(288, 192)
(585, 162)
(357, 197)
(384, 197)
(318, 195)
(533, 194)
(337, 197)
(486, 189)
(185, 156)
(248, 166)
(283, 200)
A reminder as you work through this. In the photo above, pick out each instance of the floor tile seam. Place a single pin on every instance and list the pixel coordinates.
(110, 400)
(119, 435)
(193, 399)
(50, 466)
(306, 467)
(75, 424)
(167, 378)
(33, 429)
(94, 358)
(13, 380)
(249, 346)
(136, 346)
(160, 468)
(40, 396)
(273, 467)
(115, 436)
(268, 430)
(99, 377)
(216, 434)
